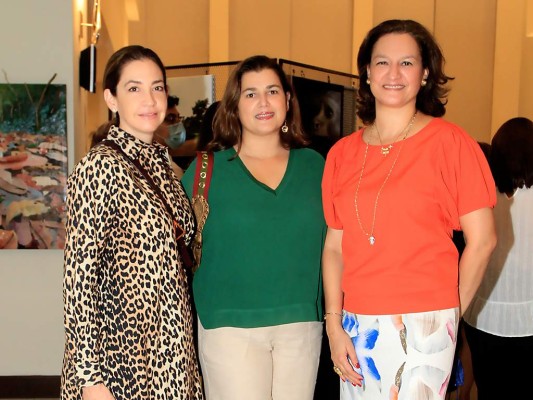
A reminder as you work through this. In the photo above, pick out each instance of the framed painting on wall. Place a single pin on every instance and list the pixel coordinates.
(321, 106)
(33, 166)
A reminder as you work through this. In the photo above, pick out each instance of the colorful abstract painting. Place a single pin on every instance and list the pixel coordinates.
(33, 166)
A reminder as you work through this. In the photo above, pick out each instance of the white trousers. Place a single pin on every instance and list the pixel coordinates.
(271, 363)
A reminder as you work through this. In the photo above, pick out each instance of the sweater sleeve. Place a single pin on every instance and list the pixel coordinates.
(90, 205)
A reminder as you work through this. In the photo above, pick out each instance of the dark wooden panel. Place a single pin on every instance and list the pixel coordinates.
(19, 387)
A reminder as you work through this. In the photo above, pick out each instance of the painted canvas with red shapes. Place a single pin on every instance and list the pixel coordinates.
(33, 165)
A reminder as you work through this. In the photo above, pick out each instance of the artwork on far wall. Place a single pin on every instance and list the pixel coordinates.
(321, 106)
(196, 93)
(33, 166)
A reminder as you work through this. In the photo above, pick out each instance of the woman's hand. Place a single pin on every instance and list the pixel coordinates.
(343, 353)
(96, 392)
(342, 350)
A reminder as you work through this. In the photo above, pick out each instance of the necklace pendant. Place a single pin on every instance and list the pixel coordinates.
(385, 150)
(372, 240)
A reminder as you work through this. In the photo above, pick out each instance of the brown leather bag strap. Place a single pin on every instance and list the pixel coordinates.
(178, 230)
(202, 174)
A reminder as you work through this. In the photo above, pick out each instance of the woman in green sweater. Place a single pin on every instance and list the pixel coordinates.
(258, 287)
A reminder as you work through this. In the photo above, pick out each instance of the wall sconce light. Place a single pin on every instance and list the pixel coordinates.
(87, 66)
(96, 22)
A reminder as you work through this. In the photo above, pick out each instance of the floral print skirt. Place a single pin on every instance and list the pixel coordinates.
(403, 356)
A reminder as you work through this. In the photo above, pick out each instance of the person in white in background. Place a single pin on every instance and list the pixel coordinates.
(499, 321)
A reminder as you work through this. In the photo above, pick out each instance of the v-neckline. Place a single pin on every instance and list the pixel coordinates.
(281, 184)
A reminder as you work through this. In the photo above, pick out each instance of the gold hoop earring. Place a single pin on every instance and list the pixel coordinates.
(284, 127)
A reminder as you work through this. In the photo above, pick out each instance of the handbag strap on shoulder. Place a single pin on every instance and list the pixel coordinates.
(203, 172)
(178, 230)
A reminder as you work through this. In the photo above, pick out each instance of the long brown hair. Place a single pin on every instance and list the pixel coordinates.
(227, 128)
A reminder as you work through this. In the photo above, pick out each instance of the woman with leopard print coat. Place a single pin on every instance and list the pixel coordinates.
(127, 309)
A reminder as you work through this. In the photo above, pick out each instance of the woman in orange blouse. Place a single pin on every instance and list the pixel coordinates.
(393, 192)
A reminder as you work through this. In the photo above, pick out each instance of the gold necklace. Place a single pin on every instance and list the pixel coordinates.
(385, 150)
(370, 235)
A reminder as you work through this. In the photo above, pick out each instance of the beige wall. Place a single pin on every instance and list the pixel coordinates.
(177, 30)
(467, 39)
(422, 11)
(315, 32)
(259, 27)
(526, 80)
(526, 75)
(37, 41)
(513, 85)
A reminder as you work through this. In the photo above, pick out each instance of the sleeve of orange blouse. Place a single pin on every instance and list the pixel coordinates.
(328, 188)
(470, 178)
(89, 215)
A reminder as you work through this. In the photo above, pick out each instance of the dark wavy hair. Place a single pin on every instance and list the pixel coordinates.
(485, 148)
(511, 155)
(227, 128)
(206, 129)
(172, 101)
(122, 57)
(431, 99)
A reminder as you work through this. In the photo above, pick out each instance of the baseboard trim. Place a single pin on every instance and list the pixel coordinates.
(33, 387)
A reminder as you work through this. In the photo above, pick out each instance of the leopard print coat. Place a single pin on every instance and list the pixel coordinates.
(127, 310)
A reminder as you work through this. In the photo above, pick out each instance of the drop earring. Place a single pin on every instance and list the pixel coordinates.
(284, 127)
(424, 79)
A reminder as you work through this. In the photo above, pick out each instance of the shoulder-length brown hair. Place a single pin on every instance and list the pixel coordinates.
(431, 98)
(227, 128)
(511, 155)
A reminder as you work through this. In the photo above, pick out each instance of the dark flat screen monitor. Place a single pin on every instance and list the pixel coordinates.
(88, 68)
